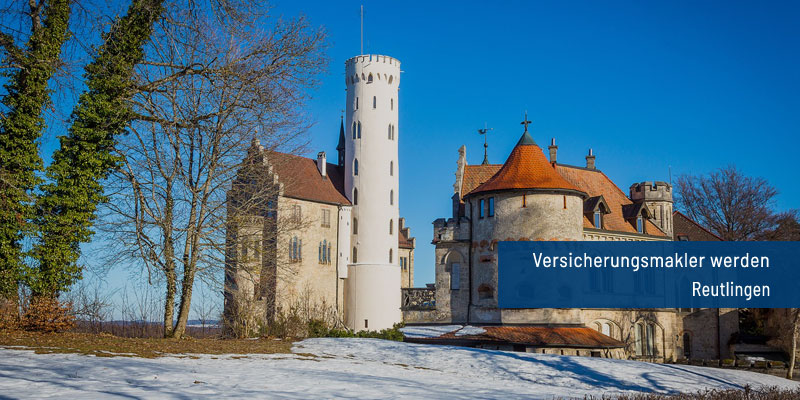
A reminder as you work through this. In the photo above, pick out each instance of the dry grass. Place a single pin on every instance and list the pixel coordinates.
(106, 345)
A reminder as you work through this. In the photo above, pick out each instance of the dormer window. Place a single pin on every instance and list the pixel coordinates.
(598, 219)
(594, 208)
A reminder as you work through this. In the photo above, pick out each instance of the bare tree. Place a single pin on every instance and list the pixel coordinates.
(216, 75)
(734, 206)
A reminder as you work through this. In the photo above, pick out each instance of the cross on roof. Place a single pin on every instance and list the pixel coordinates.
(525, 122)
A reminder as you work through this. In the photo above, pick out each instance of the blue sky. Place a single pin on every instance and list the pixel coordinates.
(650, 86)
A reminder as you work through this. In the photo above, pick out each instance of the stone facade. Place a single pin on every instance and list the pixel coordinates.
(466, 262)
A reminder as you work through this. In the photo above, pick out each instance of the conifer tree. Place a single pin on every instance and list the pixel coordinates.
(68, 203)
(21, 126)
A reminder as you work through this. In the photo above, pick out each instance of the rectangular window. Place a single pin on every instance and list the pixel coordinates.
(480, 208)
(491, 206)
(296, 212)
(639, 225)
(326, 218)
(598, 220)
(455, 276)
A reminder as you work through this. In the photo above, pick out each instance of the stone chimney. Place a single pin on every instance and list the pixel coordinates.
(590, 160)
(553, 150)
(322, 164)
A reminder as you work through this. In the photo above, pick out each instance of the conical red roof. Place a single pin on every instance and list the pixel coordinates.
(526, 168)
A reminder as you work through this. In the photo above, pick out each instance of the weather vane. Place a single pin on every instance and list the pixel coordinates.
(485, 132)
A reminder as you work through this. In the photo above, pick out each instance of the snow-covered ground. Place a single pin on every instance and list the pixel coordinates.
(353, 368)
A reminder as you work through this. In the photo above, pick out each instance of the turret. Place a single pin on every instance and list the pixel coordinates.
(658, 198)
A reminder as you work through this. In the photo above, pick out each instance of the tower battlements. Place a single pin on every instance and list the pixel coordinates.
(651, 191)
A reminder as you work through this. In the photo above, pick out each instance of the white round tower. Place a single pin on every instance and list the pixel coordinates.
(371, 181)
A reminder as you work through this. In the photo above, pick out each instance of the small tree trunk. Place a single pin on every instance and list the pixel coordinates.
(185, 305)
(169, 303)
(793, 354)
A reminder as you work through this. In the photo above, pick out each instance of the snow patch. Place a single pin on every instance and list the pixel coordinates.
(470, 330)
(428, 331)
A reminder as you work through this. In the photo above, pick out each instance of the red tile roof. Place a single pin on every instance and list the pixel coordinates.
(475, 175)
(542, 336)
(596, 183)
(301, 179)
(682, 225)
(525, 168)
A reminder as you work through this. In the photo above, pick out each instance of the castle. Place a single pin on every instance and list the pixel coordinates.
(283, 205)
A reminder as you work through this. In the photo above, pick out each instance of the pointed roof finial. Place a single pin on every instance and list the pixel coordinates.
(485, 132)
(525, 122)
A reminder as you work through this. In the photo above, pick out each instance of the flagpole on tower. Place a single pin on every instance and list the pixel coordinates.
(362, 29)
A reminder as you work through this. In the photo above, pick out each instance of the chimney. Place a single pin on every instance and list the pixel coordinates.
(553, 150)
(590, 160)
(322, 164)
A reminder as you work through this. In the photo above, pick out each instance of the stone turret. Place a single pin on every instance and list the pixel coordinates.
(658, 198)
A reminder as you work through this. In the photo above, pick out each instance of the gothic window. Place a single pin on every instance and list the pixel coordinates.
(355, 255)
(296, 249)
(644, 339)
(391, 226)
(355, 196)
(455, 276)
(359, 129)
(369, 79)
(355, 167)
(391, 197)
(480, 208)
(354, 129)
(606, 329)
(491, 206)
(355, 226)
(374, 102)
(598, 220)
(390, 256)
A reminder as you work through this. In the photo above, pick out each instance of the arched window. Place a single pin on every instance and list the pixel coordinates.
(374, 102)
(329, 253)
(606, 329)
(296, 249)
(391, 226)
(324, 251)
(354, 129)
(355, 226)
(390, 256)
(355, 196)
(356, 102)
(391, 197)
(389, 131)
(355, 255)
(391, 102)
(391, 168)
(391, 78)
(369, 78)
(355, 167)
(359, 129)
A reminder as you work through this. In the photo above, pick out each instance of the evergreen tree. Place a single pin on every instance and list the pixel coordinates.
(68, 204)
(20, 129)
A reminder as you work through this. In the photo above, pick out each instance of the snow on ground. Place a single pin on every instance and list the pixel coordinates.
(354, 368)
(439, 330)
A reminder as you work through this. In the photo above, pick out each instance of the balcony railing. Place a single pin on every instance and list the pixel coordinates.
(418, 299)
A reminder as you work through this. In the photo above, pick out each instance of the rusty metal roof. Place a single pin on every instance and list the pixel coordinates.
(539, 336)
